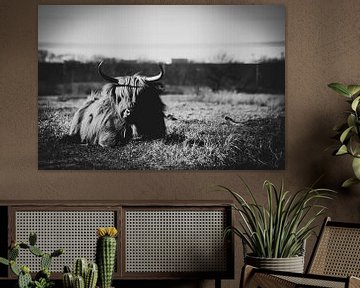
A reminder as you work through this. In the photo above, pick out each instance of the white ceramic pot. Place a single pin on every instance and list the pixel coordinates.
(291, 264)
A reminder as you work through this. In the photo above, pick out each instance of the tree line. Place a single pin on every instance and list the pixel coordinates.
(265, 77)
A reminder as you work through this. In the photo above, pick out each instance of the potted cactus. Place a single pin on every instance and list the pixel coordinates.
(106, 254)
(42, 278)
(84, 275)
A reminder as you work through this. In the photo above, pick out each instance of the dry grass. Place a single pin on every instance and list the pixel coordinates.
(198, 136)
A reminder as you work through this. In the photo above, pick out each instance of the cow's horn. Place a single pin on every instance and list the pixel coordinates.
(106, 77)
(156, 77)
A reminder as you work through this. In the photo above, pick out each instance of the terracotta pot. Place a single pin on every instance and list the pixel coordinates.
(291, 264)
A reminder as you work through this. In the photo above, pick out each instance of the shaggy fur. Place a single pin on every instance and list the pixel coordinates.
(118, 113)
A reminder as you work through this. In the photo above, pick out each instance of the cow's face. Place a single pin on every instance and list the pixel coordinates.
(126, 94)
(125, 91)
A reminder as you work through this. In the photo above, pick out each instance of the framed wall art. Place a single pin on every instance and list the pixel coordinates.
(161, 87)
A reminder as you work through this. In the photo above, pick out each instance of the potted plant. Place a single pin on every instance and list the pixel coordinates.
(348, 132)
(84, 274)
(276, 233)
(42, 278)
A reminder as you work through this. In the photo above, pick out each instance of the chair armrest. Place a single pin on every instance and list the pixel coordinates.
(255, 277)
(246, 273)
(252, 277)
(354, 282)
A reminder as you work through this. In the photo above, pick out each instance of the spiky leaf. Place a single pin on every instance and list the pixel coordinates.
(279, 228)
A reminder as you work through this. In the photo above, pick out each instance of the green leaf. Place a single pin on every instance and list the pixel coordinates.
(353, 89)
(342, 150)
(356, 167)
(355, 103)
(349, 182)
(4, 261)
(340, 88)
(14, 268)
(345, 134)
(354, 145)
(351, 120)
(279, 228)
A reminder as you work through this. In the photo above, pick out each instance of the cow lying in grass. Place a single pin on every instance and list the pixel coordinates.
(126, 107)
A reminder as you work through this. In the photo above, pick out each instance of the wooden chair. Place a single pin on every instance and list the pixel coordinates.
(334, 263)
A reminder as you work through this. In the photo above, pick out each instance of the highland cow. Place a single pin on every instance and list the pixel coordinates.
(126, 107)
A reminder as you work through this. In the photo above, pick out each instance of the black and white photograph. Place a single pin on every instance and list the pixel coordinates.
(161, 87)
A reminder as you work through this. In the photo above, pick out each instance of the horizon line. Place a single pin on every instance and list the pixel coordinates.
(108, 45)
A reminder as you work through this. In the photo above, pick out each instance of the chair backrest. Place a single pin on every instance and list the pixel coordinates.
(337, 251)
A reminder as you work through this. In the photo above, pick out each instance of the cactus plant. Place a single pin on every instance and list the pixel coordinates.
(105, 254)
(45, 261)
(91, 275)
(24, 280)
(79, 282)
(80, 267)
(43, 274)
(42, 278)
(36, 251)
(13, 253)
(84, 274)
(68, 280)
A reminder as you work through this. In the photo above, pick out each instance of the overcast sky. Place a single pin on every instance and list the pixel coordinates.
(162, 32)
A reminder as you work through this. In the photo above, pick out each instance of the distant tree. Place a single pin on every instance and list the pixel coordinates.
(223, 58)
(46, 56)
(217, 72)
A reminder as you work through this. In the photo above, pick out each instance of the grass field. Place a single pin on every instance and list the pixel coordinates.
(198, 136)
